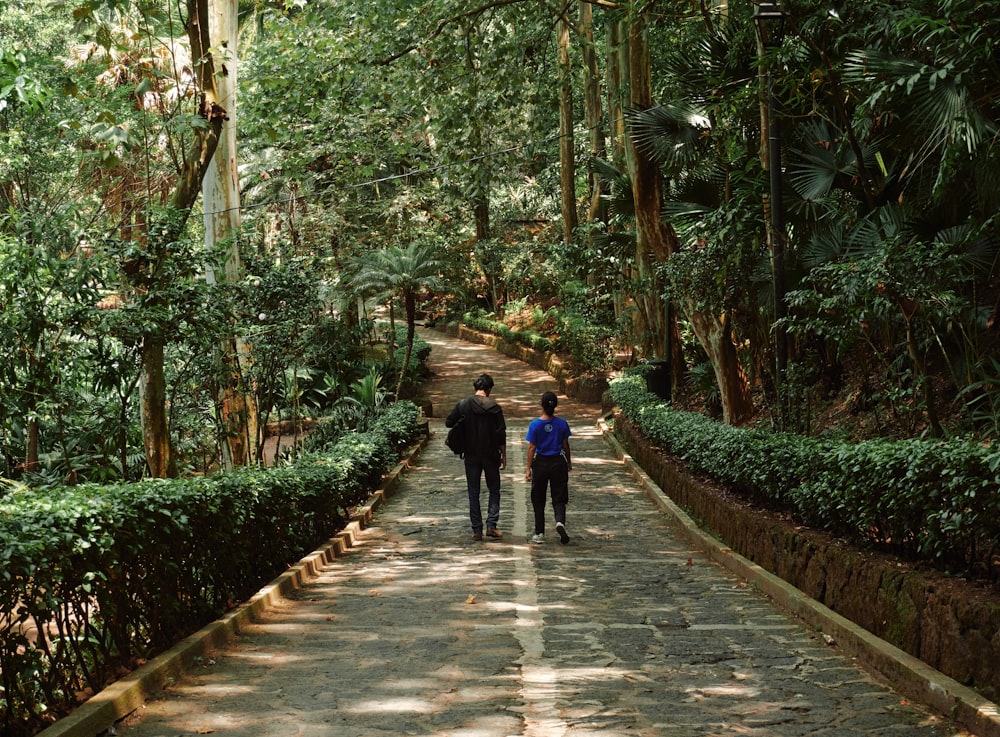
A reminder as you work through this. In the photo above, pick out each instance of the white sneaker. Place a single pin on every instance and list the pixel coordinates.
(538, 538)
(563, 535)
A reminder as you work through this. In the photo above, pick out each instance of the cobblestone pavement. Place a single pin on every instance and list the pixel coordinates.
(624, 631)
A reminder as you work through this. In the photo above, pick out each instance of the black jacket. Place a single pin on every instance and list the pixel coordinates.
(485, 429)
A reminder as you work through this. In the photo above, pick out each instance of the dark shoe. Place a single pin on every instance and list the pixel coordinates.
(477, 536)
(494, 532)
(563, 536)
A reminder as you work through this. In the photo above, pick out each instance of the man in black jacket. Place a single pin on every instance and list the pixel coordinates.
(485, 452)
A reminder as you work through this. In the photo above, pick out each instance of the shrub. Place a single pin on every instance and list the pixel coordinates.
(590, 347)
(934, 500)
(110, 574)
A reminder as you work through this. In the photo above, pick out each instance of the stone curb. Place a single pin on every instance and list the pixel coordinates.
(904, 672)
(124, 696)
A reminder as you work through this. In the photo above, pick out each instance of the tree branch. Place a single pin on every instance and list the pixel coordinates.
(479, 10)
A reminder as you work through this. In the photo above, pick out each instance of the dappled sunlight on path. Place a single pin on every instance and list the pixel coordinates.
(418, 630)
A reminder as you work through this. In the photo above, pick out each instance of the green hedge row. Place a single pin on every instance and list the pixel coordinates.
(94, 578)
(528, 338)
(589, 347)
(933, 500)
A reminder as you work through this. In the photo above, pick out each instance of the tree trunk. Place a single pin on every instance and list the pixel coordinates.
(650, 309)
(651, 232)
(155, 428)
(410, 302)
(221, 193)
(617, 84)
(392, 331)
(481, 213)
(617, 87)
(592, 112)
(31, 444)
(567, 163)
(655, 241)
(715, 337)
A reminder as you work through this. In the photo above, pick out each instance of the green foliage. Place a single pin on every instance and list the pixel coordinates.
(120, 572)
(530, 338)
(55, 373)
(589, 346)
(700, 379)
(280, 310)
(369, 393)
(416, 366)
(406, 274)
(398, 424)
(981, 399)
(933, 500)
(366, 409)
(903, 299)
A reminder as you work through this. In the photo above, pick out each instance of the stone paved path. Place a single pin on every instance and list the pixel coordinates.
(421, 631)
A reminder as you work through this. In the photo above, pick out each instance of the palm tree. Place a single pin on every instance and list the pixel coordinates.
(401, 272)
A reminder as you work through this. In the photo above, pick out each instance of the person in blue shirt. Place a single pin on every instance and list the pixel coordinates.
(548, 465)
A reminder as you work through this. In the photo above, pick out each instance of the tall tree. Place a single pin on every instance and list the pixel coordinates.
(222, 215)
(205, 140)
(593, 114)
(154, 271)
(567, 148)
(655, 239)
(698, 176)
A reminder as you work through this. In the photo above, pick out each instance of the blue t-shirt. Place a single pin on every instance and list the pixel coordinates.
(548, 435)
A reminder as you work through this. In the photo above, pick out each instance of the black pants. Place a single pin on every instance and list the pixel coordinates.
(552, 472)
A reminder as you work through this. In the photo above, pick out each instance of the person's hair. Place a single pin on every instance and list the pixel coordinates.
(549, 403)
(483, 383)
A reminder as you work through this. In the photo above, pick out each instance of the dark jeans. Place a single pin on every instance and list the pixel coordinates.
(475, 469)
(549, 471)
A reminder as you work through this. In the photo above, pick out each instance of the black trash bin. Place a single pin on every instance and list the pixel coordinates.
(658, 377)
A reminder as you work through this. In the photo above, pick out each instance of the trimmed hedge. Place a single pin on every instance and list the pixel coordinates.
(528, 338)
(931, 500)
(94, 578)
(588, 347)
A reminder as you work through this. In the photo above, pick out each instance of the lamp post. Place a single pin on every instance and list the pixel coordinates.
(769, 18)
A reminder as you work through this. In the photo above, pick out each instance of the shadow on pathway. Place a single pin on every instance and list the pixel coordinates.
(625, 631)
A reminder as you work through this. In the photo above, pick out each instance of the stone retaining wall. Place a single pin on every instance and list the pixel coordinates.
(948, 623)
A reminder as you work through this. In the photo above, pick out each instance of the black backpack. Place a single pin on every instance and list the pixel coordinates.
(456, 439)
